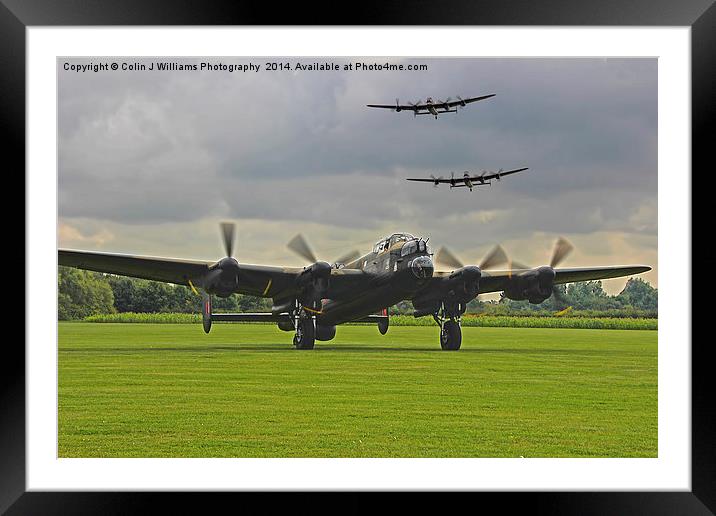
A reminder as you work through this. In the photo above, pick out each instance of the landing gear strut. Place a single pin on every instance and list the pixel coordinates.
(305, 324)
(450, 330)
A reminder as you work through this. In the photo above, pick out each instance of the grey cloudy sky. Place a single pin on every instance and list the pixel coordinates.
(150, 161)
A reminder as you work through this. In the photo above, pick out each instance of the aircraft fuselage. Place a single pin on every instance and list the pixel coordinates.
(399, 269)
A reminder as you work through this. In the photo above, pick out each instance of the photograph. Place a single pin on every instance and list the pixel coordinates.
(357, 257)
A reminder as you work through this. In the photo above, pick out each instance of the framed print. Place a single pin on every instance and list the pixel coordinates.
(313, 184)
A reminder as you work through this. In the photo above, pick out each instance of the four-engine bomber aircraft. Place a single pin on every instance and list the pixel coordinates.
(467, 180)
(312, 300)
(431, 107)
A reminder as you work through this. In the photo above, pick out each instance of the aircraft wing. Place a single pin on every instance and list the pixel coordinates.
(441, 180)
(487, 177)
(257, 280)
(454, 103)
(168, 270)
(428, 180)
(496, 281)
(402, 107)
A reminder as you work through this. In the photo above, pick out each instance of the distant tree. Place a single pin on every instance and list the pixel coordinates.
(227, 304)
(589, 295)
(152, 296)
(124, 292)
(137, 295)
(183, 300)
(248, 303)
(402, 307)
(82, 293)
(639, 294)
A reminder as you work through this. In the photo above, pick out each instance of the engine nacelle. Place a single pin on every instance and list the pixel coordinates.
(534, 285)
(456, 291)
(222, 278)
(324, 332)
(314, 282)
(465, 283)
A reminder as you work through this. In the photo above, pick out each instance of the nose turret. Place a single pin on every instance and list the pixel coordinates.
(422, 267)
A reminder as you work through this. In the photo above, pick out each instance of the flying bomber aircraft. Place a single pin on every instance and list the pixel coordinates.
(431, 107)
(312, 300)
(467, 180)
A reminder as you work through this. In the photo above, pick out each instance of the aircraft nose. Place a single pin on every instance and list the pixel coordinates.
(422, 267)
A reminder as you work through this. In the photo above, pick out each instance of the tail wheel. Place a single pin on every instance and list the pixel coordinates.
(305, 336)
(450, 336)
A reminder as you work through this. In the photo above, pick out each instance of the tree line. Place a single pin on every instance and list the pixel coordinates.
(84, 293)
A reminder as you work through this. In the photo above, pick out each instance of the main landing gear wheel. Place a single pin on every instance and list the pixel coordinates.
(451, 336)
(305, 336)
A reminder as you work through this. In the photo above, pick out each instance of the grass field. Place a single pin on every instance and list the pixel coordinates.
(169, 390)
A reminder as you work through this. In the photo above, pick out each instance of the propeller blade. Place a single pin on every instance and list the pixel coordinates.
(517, 265)
(299, 246)
(349, 257)
(513, 265)
(227, 233)
(496, 256)
(561, 249)
(446, 257)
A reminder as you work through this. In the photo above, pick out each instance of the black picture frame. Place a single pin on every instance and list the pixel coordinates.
(700, 15)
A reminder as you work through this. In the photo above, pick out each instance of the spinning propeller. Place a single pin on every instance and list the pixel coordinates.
(469, 275)
(414, 105)
(299, 245)
(228, 231)
(314, 281)
(436, 180)
(496, 256)
(562, 248)
(223, 276)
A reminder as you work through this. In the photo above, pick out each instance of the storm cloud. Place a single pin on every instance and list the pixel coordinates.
(149, 161)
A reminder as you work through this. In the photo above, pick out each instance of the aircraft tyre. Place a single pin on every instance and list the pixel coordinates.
(306, 338)
(451, 336)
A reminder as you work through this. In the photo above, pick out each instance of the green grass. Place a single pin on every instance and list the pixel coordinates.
(494, 321)
(169, 390)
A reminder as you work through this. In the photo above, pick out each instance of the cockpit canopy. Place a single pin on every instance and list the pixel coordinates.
(400, 237)
(410, 244)
(386, 243)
